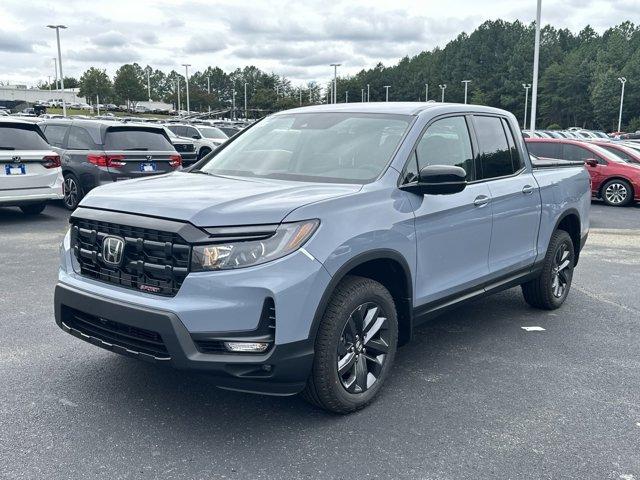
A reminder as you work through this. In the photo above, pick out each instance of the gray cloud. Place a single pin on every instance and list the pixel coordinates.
(12, 42)
(104, 55)
(202, 43)
(110, 39)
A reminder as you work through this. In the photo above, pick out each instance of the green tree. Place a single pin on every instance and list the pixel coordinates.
(95, 83)
(127, 84)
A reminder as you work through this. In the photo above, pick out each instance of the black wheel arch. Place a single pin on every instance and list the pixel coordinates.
(569, 221)
(399, 284)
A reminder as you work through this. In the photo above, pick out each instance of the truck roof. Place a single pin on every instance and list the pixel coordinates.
(398, 108)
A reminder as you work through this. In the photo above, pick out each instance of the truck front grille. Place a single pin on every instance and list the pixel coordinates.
(152, 261)
(184, 147)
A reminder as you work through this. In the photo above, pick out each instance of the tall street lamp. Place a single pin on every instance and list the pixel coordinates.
(536, 59)
(466, 84)
(346, 97)
(55, 70)
(426, 92)
(526, 87)
(57, 29)
(246, 112)
(148, 85)
(386, 93)
(362, 95)
(186, 79)
(335, 81)
(178, 92)
(442, 87)
(368, 97)
(622, 80)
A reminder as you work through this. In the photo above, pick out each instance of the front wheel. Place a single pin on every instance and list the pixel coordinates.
(204, 152)
(617, 193)
(550, 289)
(355, 346)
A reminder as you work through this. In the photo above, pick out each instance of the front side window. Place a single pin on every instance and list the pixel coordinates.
(317, 147)
(494, 153)
(212, 132)
(576, 153)
(446, 142)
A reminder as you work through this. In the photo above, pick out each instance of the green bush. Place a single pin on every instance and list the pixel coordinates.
(554, 126)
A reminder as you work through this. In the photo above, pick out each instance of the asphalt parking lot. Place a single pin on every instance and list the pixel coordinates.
(473, 396)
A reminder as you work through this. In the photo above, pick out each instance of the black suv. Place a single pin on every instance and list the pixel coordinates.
(97, 152)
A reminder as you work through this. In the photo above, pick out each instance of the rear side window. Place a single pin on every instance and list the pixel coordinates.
(446, 142)
(545, 150)
(494, 153)
(516, 161)
(55, 134)
(141, 139)
(15, 136)
(79, 139)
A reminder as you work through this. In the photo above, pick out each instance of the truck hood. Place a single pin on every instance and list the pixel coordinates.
(207, 201)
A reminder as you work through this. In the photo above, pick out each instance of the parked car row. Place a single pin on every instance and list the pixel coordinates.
(614, 167)
(576, 134)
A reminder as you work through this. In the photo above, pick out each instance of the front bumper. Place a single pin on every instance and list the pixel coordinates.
(281, 371)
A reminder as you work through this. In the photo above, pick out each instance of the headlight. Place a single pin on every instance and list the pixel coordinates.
(223, 256)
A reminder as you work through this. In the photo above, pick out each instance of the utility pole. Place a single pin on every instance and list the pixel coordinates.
(335, 81)
(536, 59)
(386, 94)
(622, 80)
(526, 87)
(466, 84)
(57, 29)
(426, 92)
(186, 79)
(443, 88)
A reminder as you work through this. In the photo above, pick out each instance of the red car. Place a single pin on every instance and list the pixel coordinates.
(612, 179)
(626, 152)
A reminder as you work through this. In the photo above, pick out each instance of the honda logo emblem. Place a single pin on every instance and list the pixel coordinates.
(112, 251)
(16, 159)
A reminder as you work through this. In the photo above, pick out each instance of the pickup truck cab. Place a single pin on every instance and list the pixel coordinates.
(300, 264)
(30, 173)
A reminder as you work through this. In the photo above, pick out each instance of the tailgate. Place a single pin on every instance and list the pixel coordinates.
(25, 169)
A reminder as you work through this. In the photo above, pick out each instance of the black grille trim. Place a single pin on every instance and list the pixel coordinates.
(110, 333)
(154, 261)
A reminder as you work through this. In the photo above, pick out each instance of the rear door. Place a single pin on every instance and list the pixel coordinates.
(25, 158)
(515, 197)
(138, 151)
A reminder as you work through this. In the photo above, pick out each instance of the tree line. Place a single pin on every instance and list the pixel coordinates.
(578, 80)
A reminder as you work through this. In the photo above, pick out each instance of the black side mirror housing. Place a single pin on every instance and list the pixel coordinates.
(196, 137)
(439, 180)
(592, 162)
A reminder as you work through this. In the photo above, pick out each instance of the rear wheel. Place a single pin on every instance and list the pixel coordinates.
(72, 191)
(33, 209)
(355, 346)
(550, 289)
(617, 193)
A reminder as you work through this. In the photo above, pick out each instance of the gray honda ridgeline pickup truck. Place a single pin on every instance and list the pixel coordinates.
(299, 255)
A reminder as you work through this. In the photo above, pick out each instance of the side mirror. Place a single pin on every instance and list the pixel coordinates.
(196, 137)
(592, 162)
(439, 180)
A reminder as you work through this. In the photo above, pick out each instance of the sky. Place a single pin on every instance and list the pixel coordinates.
(297, 39)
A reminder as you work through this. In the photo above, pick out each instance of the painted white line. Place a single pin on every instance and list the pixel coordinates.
(533, 329)
(307, 254)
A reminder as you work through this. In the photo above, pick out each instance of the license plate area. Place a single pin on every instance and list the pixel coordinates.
(148, 167)
(15, 169)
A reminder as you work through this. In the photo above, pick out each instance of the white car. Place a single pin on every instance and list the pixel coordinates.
(204, 137)
(30, 171)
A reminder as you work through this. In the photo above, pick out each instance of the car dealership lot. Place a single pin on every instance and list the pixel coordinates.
(474, 395)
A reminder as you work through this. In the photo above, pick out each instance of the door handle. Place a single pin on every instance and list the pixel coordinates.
(481, 201)
(527, 189)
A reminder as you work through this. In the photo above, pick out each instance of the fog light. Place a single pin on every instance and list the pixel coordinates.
(252, 347)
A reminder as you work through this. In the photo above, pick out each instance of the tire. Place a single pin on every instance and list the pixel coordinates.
(72, 191)
(360, 316)
(203, 151)
(543, 292)
(33, 209)
(617, 193)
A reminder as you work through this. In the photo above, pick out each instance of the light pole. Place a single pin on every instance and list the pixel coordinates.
(386, 93)
(57, 29)
(536, 58)
(368, 97)
(335, 81)
(246, 112)
(466, 84)
(178, 92)
(209, 91)
(300, 96)
(186, 79)
(526, 87)
(622, 80)
(362, 95)
(426, 92)
(55, 70)
(233, 104)
(442, 87)
(49, 77)
(148, 86)
(346, 97)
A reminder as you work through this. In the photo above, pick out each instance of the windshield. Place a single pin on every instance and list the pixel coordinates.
(21, 137)
(319, 147)
(211, 132)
